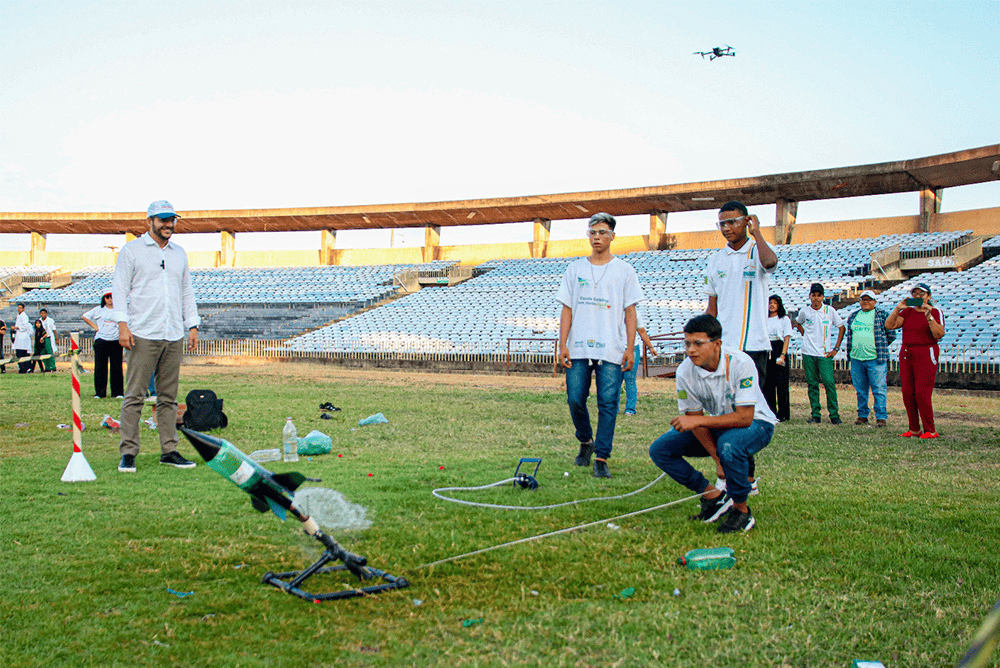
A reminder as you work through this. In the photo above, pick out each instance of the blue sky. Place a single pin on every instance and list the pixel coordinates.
(105, 106)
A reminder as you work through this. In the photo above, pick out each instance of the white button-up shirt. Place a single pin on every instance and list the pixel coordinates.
(153, 285)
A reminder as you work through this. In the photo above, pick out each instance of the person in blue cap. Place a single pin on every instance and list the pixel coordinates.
(155, 309)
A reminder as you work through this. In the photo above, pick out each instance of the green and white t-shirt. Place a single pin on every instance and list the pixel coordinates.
(818, 326)
(863, 336)
(734, 383)
(738, 281)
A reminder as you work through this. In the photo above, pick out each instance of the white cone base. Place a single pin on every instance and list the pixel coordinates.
(78, 469)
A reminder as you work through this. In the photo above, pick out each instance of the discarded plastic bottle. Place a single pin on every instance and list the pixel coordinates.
(290, 438)
(272, 455)
(710, 559)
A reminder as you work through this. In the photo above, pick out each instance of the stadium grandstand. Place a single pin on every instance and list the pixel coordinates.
(502, 306)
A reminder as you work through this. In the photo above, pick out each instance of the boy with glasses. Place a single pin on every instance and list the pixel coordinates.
(736, 282)
(596, 337)
(723, 415)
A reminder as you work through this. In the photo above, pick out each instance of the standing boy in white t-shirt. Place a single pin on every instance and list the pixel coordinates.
(723, 415)
(736, 282)
(596, 335)
(814, 323)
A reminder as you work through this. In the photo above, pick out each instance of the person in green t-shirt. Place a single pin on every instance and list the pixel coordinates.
(868, 351)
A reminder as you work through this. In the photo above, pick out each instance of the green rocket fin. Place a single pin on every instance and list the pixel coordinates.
(276, 509)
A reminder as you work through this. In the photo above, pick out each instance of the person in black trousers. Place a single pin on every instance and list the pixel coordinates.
(107, 350)
(779, 330)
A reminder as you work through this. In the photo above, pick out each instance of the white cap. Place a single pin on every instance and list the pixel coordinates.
(869, 293)
(161, 209)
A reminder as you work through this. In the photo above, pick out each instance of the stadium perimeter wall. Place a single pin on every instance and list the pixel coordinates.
(985, 222)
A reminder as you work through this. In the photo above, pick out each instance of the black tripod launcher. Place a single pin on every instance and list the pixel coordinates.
(354, 563)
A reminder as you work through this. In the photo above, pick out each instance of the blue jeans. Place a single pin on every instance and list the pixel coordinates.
(609, 391)
(734, 447)
(631, 391)
(870, 375)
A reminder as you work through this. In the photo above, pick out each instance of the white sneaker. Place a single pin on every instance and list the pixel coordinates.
(753, 489)
(720, 484)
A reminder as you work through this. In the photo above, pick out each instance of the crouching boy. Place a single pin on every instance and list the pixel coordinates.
(723, 415)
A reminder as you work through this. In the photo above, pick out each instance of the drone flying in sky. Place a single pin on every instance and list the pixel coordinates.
(717, 52)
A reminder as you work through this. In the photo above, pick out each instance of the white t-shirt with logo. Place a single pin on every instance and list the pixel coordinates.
(739, 282)
(778, 328)
(818, 326)
(598, 296)
(734, 383)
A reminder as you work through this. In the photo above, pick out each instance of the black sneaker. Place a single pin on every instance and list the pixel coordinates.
(328, 407)
(813, 420)
(835, 420)
(127, 464)
(174, 459)
(601, 469)
(586, 450)
(711, 509)
(736, 520)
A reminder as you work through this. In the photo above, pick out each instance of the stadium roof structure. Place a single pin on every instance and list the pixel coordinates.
(977, 165)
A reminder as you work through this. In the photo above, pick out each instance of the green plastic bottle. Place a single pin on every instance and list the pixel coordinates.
(709, 559)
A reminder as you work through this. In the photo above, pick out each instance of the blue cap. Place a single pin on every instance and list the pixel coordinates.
(923, 286)
(161, 208)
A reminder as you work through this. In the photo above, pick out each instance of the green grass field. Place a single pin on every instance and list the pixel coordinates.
(867, 546)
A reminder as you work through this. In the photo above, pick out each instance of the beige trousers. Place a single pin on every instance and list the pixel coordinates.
(146, 356)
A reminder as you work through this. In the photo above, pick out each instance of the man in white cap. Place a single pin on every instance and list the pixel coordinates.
(868, 351)
(155, 308)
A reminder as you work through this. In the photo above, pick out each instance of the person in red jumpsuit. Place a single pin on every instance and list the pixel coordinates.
(923, 327)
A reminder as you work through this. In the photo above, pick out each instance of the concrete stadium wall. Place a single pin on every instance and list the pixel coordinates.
(984, 222)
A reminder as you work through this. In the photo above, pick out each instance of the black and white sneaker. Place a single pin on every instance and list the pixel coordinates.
(586, 450)
(127, 464)
(174, 459)
(601, 469)
(712, 509)
(736, 520)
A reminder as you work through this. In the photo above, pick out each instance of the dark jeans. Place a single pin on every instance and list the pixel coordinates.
(776, 385)
(734, 447)
(108, 353)
(609, 392)
(23, 367)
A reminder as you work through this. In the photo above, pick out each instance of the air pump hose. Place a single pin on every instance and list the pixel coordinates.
(510, 480)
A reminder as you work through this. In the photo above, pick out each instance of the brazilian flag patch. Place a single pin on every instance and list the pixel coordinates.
(746, 382)
(682, 394)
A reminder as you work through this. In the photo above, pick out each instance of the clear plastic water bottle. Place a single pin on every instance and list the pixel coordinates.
(708, 559)
(290, 438)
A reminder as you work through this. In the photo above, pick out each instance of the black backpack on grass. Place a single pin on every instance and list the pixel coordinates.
(204, 411)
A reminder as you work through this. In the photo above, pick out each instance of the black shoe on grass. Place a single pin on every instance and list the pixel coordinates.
(127, 464)
(736, 520)
(586, 450)
(174, 459)
(712, 509)
(813, 420)
(601, 469)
